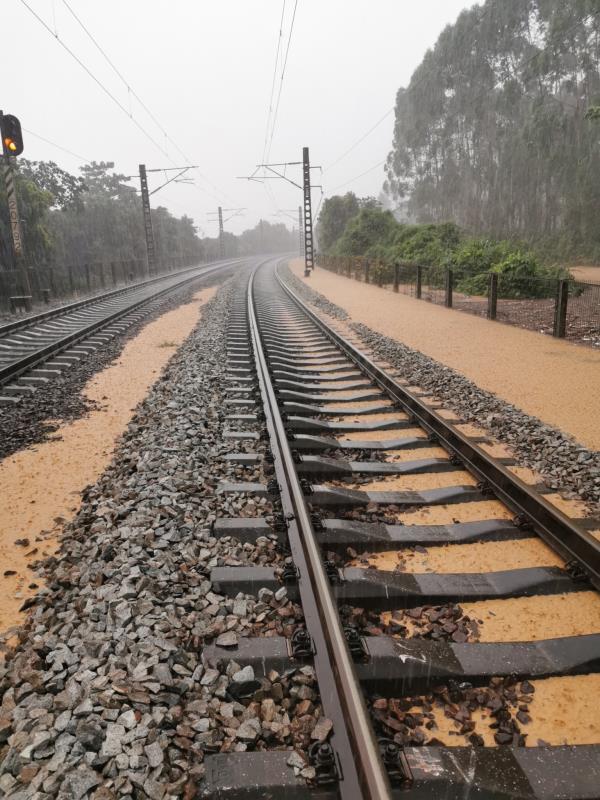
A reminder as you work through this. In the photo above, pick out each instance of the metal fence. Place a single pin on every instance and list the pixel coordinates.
(563, 308)
(50, 285)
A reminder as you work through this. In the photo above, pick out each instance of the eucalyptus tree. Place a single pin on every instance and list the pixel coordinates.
(495, 130)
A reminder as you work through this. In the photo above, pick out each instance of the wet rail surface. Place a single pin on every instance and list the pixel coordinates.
(37, 349)
(338, 427)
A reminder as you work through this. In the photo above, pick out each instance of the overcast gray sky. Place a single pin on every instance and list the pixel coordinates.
(205, 69)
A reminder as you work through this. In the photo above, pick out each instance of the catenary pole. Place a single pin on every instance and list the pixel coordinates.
(148, 230)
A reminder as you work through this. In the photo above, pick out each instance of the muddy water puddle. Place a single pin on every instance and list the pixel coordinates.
(467, 558)
(552, 711)
(417, 482)
(383, 436)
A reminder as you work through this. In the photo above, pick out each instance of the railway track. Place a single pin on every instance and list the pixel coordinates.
(402, 671)
(37, 349)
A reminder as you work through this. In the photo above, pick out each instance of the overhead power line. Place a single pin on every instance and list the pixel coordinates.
(270, 111)
(93, 77)
(58, 146)
(287, 50)
(358, 141)
(110, 94)
(134, 94)
(356, 177)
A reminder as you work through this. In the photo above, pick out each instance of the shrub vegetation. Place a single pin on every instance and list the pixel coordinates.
(375, 234)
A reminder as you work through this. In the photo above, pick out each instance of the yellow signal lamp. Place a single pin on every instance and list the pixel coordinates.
(12, 137)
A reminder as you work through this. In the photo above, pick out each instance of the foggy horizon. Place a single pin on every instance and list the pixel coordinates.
(206, 74)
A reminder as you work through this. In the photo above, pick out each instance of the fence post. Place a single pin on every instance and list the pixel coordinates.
(396, 277)
(367, 266)
(492, 294)
(419, 283)
(52, 281)
(449, 284)
(560, 309)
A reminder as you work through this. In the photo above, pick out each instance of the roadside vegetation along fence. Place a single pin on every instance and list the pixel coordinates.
(565, 308)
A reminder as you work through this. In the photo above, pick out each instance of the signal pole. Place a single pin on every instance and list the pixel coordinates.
(148, 230)
(300, 232)
(221, 234)
(13, 206)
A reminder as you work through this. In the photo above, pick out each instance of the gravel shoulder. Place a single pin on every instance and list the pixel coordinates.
(41, 485)
(563, 463)
(551, 379)
(105, 693)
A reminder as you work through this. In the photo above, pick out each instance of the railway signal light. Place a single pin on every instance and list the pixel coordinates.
(12, 138)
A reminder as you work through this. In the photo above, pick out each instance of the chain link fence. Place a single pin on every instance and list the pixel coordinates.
(562, 308)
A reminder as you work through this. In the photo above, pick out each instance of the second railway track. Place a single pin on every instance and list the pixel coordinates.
(361, 472)
(36, 349)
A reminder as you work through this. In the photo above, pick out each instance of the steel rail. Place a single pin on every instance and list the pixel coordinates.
(363, 774)
(560, 532)
(59, 311)
(15, 369)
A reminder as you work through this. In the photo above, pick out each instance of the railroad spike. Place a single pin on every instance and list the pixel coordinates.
(522, 522)
(332, 571)
(577, 571)
(280, 523)
(395, 762)
(301, 645)
(290, 574)
(317, 522)
(273, 487)
(356, 644)
(322, 757)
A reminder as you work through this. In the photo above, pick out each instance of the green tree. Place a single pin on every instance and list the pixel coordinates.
(99, 180)
(34, 204)
(334, 216)
(66, 189)
(491, 131)
(370, 228)
(337, 211)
